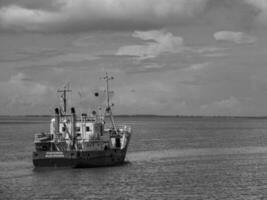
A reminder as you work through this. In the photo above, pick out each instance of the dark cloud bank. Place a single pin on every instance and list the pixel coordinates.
(88, 15)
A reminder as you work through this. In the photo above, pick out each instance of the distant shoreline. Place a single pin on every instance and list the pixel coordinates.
(191, 116)
(156, 116)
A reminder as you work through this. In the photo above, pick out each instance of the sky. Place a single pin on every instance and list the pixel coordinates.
(168, 57)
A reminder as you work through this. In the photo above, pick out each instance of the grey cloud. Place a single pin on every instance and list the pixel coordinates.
(261, 6)
(162, 42)
(229, 14)
(48, 5)
(237, 37)
(22, 90)
(82, 15)
(86, 15)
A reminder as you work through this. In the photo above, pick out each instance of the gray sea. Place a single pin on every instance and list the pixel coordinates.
(168, 158)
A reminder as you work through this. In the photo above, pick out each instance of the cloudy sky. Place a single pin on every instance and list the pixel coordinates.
(170, 57)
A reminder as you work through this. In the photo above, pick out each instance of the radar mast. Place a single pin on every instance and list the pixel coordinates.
(64, 96)
(108, 109)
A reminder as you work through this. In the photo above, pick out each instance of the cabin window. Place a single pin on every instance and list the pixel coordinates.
(78, 129)
(87, 128)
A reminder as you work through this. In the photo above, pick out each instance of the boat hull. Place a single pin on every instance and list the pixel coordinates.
(109, 157)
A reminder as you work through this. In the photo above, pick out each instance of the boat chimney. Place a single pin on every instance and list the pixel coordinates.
(73, 116)
(56, 120)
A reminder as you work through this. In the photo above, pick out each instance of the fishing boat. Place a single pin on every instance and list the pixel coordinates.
(82, 140)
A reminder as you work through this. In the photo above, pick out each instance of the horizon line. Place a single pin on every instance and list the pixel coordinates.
(155, 115)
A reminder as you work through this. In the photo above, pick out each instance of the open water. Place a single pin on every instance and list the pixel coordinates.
(168, 158)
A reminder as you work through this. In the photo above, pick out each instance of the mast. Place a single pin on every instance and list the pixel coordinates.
(108, 108)
(108, 78)
(64, 97)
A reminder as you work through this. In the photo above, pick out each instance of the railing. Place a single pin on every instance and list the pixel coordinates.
(38, 137)
(124, 128)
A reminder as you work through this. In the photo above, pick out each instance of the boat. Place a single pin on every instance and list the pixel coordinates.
(82, 140)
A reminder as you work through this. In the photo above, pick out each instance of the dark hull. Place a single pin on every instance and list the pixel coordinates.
(108, 157)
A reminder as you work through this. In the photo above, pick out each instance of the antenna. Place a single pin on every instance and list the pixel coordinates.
(108, 108)
(64, 96)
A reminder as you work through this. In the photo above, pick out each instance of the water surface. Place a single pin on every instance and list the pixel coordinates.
(168, 158)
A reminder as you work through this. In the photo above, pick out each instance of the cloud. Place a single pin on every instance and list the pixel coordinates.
(209, 49)
(81, 15)
(15, 18)
(227, 103)
(213, 55)
(155, 96)
(23, 91)
(57, 63)
(88, 15)
(29, 92)
(33, 4)
(261, 6)
(198, 67)
(159, 42)
(229, 106)
(153, 66)
(237, 37)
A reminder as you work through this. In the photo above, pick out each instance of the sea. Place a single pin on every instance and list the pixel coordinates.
(190, 158)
